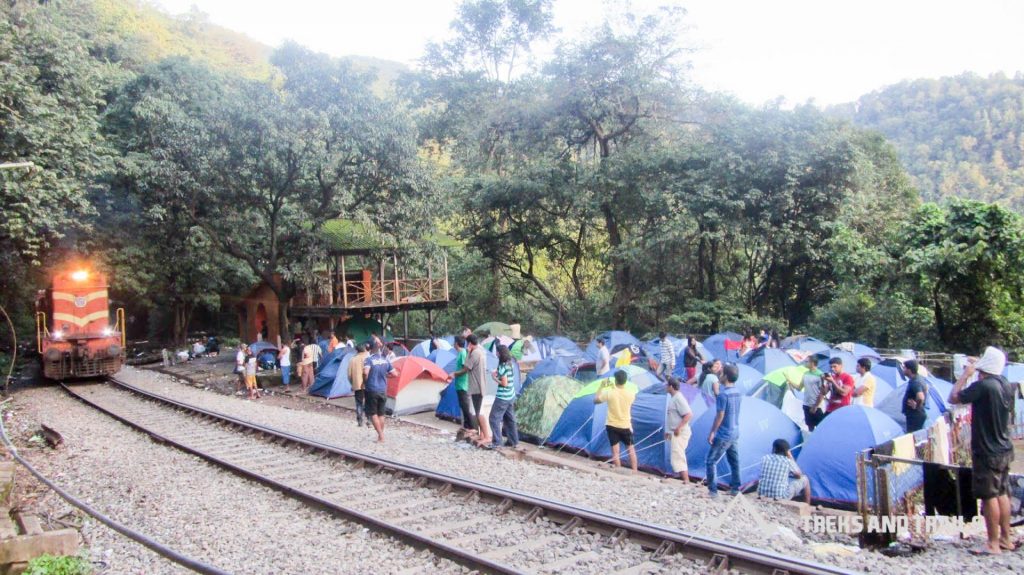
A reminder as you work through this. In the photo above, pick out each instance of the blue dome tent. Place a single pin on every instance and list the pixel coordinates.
(558, 346)
(829, 455)
(422, 349)
(717, 347)
(804, 343)
(613, 340)
(332, 377)
(859, 350)
(554, 365)
(892, 405)
(767, 359)
(849, 361)
(760, 424)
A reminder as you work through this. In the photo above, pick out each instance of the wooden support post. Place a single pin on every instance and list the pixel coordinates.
(394, 259)
(344, 284)
(430, 320)
(406, 320)
(380, 278)
(445, 256)
(430, 285)
(332, 277)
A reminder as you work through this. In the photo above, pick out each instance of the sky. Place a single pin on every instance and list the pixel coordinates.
(828, 51)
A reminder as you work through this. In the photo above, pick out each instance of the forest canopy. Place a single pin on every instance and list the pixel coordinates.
(594, 188)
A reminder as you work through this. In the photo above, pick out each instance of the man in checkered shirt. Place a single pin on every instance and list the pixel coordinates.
(780, 476)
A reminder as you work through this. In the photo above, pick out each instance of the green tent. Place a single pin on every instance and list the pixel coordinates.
(360, 329)
(494, 328)
(794, 374)
(592, 387)
(542, 403)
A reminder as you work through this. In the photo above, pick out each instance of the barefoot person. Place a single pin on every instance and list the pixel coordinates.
(781, 477)
(991, 399)
(476, 367)
(375, 381)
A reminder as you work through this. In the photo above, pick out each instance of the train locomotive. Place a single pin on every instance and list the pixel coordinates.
(74, 334)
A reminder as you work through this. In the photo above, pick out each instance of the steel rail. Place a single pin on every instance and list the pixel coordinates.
(719, 554)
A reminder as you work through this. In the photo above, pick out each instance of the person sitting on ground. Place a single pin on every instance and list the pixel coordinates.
(619, 422)
(781, 478)
(212, 346)
(748, 344)
(668, 357)
(198, 349)
(376, 370)
(677, 427)
(992, 400)
(864, 384)
(503, 411)
(763, 339)
(250, 375)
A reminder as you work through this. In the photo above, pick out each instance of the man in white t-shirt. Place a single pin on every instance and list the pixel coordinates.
(604, 359)
(677, 427)
(240, 366)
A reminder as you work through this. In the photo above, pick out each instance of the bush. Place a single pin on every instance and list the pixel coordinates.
(63, 565)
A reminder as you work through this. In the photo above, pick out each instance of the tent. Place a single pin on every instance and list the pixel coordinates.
(494, 328)
(652, 347)
(760, 424)
(613, 340)
(859, 350)
(555, 365)
(804, 343)
(332, 376)
(849, 361)
(444, 358)
(582, 428)
(749, 378)
(829, 456)
(448, 406)
(639, 376)
(416, 386)
(890, 371)
(724, 346)
(892, 405)
(541, 405)
(1014, 373)
(258, 347)
(361, 328)
(680, 370)
(422, 349)
(558, 346)
(767, 359)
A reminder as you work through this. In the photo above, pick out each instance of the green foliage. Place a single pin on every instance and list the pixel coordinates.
(58, 565)
(957, 136)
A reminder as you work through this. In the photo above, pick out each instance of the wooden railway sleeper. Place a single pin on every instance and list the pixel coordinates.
(569, 525)
(504, 506)
(664, 549)
(534, 513)
(616, 537)
(444, 490)
(719, 563)
(780, 572)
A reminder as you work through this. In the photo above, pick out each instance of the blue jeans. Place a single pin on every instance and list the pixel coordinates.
(503, 413)
(732, 455)
(286, 374)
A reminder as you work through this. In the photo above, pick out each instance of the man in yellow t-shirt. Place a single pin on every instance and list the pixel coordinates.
(864, 392)
(619, 424)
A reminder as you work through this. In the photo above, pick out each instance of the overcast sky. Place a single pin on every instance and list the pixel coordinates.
(830, 51)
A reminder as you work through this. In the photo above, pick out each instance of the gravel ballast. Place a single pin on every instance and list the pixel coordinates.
(668, 502)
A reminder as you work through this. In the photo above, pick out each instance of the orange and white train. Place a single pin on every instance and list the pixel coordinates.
(74, 332)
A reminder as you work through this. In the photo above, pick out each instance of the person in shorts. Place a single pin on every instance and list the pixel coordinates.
(376, 370)
(619, 424)
(250, 375)
(991, 398)
(677, 427)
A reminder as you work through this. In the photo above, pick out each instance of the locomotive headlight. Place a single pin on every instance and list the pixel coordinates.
(58, 334)
(107, 332)
(80, 275)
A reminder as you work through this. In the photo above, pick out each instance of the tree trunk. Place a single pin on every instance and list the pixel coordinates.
(182, 313)
(283, 307)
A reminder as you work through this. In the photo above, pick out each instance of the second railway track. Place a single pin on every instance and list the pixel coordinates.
(482, 527)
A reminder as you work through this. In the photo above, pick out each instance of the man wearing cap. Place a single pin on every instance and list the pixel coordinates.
(991, 399)
(914, 399)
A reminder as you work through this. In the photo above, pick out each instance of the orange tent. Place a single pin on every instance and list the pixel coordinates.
(416, 386)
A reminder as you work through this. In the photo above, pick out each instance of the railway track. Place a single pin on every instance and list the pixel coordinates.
(482, 527)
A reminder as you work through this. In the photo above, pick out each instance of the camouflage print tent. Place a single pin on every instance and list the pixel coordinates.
(542, 403)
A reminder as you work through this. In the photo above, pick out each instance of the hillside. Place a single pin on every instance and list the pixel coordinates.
(959, 136)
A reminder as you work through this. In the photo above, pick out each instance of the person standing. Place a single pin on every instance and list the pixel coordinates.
(691, 358)
(333, 343)
(284, 359)
(781, 477)
(710, 380)
(864, 382)
(604, 359)
(356, 365)
(668, 357)
(991, 399)
(240, 365)
(503, 412)
(619, 423)
(677, 427)
(250, 375)
(306, 365)
(376, 370)
(461, 382)
(725, 432)
(841, 385)
(814, 393)
(915, 398)
(476, 368)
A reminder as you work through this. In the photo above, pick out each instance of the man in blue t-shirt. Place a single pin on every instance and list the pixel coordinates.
(725, 432)
(375, 379)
